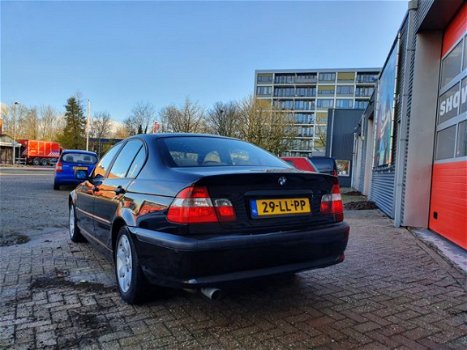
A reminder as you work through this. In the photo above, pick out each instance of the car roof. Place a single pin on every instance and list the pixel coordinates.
(149, 137)
(78, 151)
(296, 158)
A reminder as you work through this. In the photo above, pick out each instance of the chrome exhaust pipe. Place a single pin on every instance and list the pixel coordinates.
(211, 293)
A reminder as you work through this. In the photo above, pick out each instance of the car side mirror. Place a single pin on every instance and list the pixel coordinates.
(96, 181)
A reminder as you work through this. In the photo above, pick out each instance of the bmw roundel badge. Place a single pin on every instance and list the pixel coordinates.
(282, 180)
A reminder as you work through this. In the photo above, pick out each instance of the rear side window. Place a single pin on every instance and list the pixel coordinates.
(210, 151)
(323, 164)
(137, 164)
(104, 164)
(75, 157)
(125, 159)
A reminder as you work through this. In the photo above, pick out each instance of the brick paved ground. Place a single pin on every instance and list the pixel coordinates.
(391, 292)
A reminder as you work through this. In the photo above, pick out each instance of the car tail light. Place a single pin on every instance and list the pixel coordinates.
(58, 167)
(332, 203)
(193, 205)
(334, 172)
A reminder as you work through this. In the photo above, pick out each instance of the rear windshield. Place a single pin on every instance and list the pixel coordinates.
(79, 158)
(323, 164)
(211, 151)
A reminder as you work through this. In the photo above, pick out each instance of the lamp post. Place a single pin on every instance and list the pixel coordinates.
(13, 143)
(88, 125)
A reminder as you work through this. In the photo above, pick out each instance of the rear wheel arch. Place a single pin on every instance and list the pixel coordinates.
(116, 226)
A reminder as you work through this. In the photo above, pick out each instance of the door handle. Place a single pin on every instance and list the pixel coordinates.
(119, 190)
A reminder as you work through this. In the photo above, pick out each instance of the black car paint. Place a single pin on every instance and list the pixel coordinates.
(102, 210)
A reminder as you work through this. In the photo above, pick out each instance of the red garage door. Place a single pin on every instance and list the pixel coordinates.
(448, 206)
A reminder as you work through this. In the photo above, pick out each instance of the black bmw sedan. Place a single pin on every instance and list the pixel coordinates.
(200, 211)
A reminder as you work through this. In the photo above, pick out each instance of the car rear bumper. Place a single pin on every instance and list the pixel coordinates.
(194, 262)
(67, 181)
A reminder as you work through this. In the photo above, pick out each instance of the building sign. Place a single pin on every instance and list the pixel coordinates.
(450, 101)
(384, 113)
(343, 167)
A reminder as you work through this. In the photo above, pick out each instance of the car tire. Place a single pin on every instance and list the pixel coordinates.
(44, 162)
(130, 278)
(73, 229)
(36, 161)
(56, 186)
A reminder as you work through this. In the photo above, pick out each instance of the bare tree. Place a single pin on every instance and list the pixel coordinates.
(30, 124)
(189, 118)
(265, 126)
(121, 132)
(224, 119)
(4, 117)
(320, 139)
(101, 128)
(141, 118)
(13, 120)
(50, 123)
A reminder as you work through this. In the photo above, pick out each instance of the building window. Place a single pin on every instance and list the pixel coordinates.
(448, 104)
(463, 95)
(306, 91)
(367, 77)
(327, 76)
(445, 143)
(264, 90)
(324, 103)
(304, 118)
(360, 104)
(304, 131)
(451, 65)
(303, 145)
(326, 90)
(305, 78)
(364, 91)
(284, 91)
(284, 78)
(344, 103)
(285, 104)
(264, 78)
(461, 150)
(344, 90)
(322, 117)
(348, 77)
(464, 65)
(304, 105)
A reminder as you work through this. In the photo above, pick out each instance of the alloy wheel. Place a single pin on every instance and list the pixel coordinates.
(72, 222)
(124, 263)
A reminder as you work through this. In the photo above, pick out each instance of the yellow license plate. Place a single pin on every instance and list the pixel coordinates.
(77, 168)
(283, 206)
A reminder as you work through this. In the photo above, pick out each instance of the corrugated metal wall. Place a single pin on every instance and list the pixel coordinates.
(361, 181)
(383, 180)
(382, 191)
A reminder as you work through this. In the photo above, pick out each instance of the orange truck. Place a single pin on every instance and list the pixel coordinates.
(40, 152)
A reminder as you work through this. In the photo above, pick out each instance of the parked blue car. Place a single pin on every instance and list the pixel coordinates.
(73, 167)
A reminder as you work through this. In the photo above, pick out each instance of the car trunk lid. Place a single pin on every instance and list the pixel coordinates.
(270, 200)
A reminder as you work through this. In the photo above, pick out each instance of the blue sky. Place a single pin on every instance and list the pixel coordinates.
(119, 53)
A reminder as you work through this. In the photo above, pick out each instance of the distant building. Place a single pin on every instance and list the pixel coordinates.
(307, 94)
(342, 124)
(6, 149)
